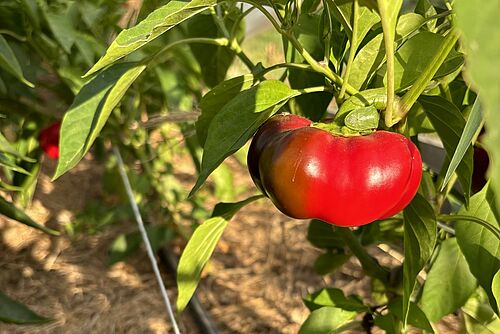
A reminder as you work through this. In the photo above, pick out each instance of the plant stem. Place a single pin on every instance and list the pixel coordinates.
(352, 49)
(315, 65)
(316, 89)
(323, 69)
(268, 15)
(444, 193)
(327, 38)
(239, 19)
(219, 21)
(369, 264)
(388, 31)
(419, 86)
(233, 44)
(13, 34)
(236, 47)
(493, 229)
(298, 66)
(276, 10)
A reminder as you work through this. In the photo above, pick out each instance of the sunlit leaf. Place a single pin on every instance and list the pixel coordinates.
(326, 320)
(157, 23)
(17, 313)
(479, 27)
(90, 110)
(237, 122)
(218, 97)
(420, 236)
(480, 247)
(442, 297)
(9, 63)
(449, 124)
(11, 211)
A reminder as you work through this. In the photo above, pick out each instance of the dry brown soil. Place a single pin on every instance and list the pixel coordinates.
(261, 269)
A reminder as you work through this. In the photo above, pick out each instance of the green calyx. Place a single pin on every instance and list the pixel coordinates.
(358, 122)
(362, 119)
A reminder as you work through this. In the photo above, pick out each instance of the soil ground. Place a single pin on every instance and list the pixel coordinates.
(260, 271)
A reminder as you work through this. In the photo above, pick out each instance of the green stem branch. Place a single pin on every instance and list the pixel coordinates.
(314, 89)
(369, 264)
(315, 65)
(233, 44)
(388, 31)
(493, 229)
(305, 67)
(352, 49)
(236, 47)
(441, 196)
(419, 86)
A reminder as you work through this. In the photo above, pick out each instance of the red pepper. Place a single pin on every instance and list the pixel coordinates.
(347, 181)
(49, 140)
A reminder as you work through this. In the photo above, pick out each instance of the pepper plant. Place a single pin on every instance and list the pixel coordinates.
(354, 68)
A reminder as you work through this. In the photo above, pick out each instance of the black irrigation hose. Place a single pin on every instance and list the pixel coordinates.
(195, 307)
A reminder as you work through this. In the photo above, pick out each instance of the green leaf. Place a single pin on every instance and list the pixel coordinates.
(416, 317)
(388, 322)
(8, 62)
(418, 122)
(16, 313)
(480, 247)
(407, 24)
(426, 9)
(440, 296)
(127, 244)
(87, 46)
(6, 147)
(372, 55)
(362, 119)
(335, 298)
(343, 12)
(9, 164)
(326, 320)
(479, 26)
(200, 247)
(237, 122)
(90, 12)
(214, 60)
(195, 256)
(9, 210)
(471, 127)
(63, 30)
(329, 262)
(90, 110)
(218, 97)
(419, 240)
(367, 61)
(228, 210)
(480, 318)
(306, 31)
(449, 124)
(414, 56)
(157, 23)
(495, 288)
(323, 235)
(312, 106)
(28, 184)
